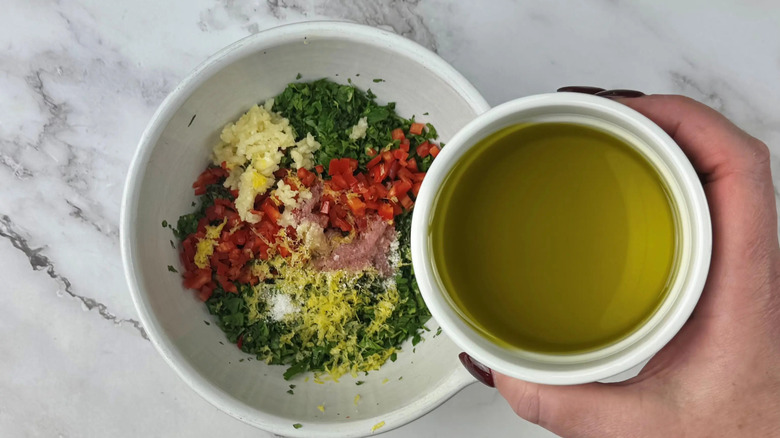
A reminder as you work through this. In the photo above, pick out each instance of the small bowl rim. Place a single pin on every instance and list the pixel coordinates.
(213, 64)
(473, 342)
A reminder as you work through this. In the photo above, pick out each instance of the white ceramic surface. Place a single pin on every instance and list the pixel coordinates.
(81, 79)
(176, 147)
(694, 239)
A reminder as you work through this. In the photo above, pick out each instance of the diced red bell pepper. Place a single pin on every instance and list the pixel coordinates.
(351, 163)
(371, 152)
(407, 202)
(399, 189)
(226, 247)
(307, 178)
(206, 291)
(228, 204)
(350, 179)
(210, 176)
(416, 128)
(419, 176)
(380, 190)
(435, 151)
(404, 146)
(378, 173)
(245, 276)
(405, 174)
(342, 166)
(239, 237)
(339, 182)
(374, 161)
(335, 167)
(385, 211)
(424, 149)
(196, 279)
(393, 171)
(416, 188)
(357, 206)
(396, 208)
(397, 134)
(202, 225)
(411, 164)
(319, 168)
(341, 224)
(400, 155)
(361, 179)
(271, 211)
(226, 284)
(281, 173)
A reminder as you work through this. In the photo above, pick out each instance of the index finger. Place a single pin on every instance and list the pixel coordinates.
(738, 184)
(715, 146)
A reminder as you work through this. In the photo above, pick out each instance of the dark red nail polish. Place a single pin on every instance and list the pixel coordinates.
(476, 369)
(581, 89)
(620, 93)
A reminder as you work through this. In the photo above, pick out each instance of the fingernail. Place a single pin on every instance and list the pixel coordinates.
(581, 89)
(611, 94)
(476, 369)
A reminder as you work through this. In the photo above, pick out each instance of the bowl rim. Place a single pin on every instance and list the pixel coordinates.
(247, 46)
(656, 337)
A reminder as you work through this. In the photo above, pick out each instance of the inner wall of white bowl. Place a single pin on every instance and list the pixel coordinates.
(630, 348)
(208, 361)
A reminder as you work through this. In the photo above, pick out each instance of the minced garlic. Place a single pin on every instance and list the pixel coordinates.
(251, 149)
(359, 130)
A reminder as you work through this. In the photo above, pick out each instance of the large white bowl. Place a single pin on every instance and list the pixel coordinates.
(175, 148)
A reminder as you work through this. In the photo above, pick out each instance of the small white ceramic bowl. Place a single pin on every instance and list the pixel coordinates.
(175, 148)
(694, 241)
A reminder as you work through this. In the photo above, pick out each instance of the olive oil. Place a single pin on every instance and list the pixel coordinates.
(554, 238)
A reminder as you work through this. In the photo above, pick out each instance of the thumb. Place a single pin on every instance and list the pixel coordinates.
(591, 410)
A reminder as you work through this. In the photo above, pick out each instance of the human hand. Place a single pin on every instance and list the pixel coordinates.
(720, 376)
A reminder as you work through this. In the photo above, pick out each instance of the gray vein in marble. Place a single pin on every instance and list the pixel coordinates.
(276, 8)
(40, 262)
(400, 16)
(14, 166)
(716, 92)
(98, 224)
(685, 84)
(57, 113)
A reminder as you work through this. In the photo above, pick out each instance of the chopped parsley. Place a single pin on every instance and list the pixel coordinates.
(172, 269)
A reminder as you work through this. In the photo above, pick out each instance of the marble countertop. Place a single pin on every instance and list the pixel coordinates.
(79, 80)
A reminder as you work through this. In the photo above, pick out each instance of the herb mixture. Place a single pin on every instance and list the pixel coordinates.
(300, 243)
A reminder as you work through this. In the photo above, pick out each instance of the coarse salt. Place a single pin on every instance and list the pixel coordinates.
(280, 305)
(394, 255)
